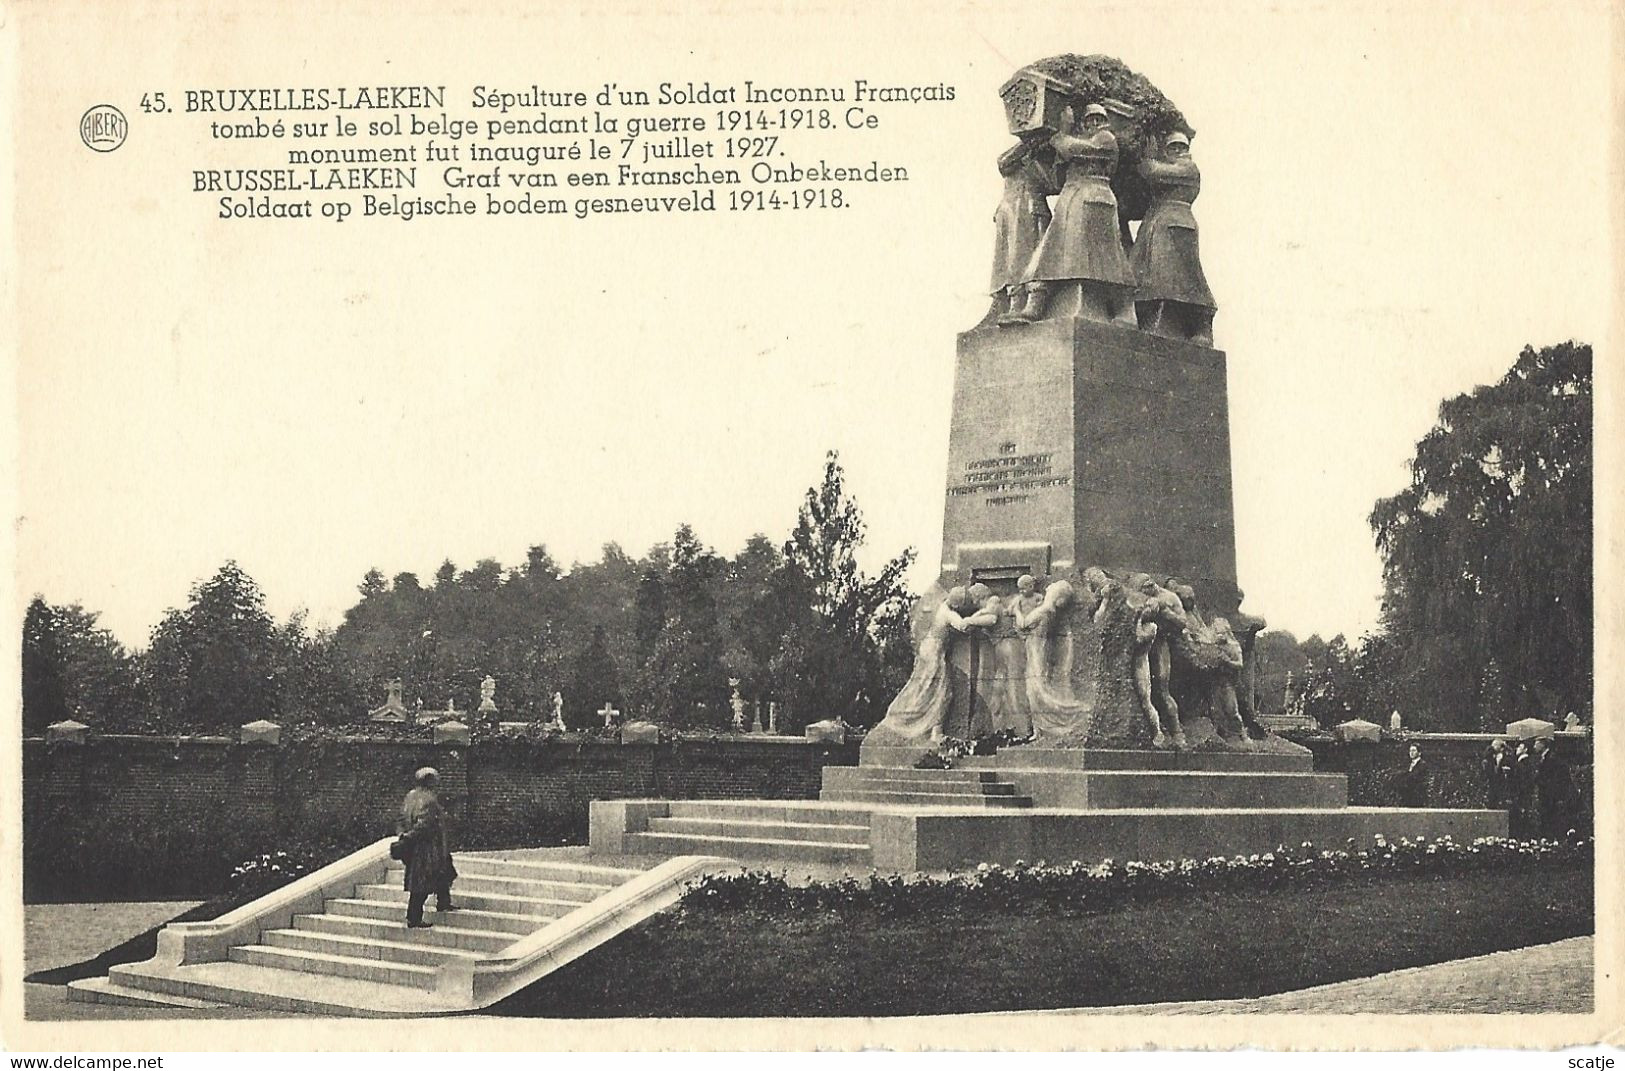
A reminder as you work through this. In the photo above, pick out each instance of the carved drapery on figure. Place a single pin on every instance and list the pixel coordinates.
(1112, 149)
(1081, 660)
(1172, 296)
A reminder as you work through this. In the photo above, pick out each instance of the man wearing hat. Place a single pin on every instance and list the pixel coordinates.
(426, 849)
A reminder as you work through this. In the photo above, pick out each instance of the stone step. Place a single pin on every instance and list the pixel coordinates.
(746, 847)
(925, 799)
(1116, 789)
(989, 787)
(863, 773)
(1017, 758)
(248, 985)
(477, 920)
(444, 933)
(1030, 757)
(770, 811)
(540, 888)
(755, 829)
(365, 968)
(495, 866)
(422, 954)
(106, 991)
(479, 901)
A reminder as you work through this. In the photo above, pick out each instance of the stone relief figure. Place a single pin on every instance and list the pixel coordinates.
(1246, 628)
(920, 709)
(1222, 703)
(990, 658)
(1124, 711)
(1208, 662)
(1020, 220)
(1168, 611)
(1173, 299)
(1055, 711)
(1083, 245)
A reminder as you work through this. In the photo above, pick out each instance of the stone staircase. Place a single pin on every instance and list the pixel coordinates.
(925, 788)
(340, 945)
(801, 831)
(1029, 803)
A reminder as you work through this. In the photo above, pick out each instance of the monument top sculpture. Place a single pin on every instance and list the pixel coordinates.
(1112, 150)
(1138, 112)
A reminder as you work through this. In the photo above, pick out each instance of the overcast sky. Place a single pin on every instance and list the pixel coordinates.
(1395, 200)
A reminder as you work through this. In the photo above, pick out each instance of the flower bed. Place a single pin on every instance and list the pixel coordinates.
(1100, 886)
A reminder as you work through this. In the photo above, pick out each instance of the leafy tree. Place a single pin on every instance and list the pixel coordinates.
(214, 664)
(45, 699)
(594, 679)
(831, 663)
(1487, 553)
(683, 680)
(1279, 658)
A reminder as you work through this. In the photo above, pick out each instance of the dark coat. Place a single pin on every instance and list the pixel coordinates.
(1554, 794)
(1498, 775)
(427, 842)
(1413, 784)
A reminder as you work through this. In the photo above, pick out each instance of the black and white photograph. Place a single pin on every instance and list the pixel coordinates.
(1017, 527)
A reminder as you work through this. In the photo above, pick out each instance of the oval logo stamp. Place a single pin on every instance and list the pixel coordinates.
(103, 128)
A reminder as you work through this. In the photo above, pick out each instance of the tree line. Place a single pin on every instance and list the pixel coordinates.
(1486, 613)
(660, 637)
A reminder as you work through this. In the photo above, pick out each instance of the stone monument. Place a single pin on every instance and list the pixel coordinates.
(1087, 594)
(555, 722)
(1084, 678)
(393, 710)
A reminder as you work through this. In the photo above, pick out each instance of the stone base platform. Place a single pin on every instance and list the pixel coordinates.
(906, 841)
(903, 838)
(1033, 758)
(1030, 803)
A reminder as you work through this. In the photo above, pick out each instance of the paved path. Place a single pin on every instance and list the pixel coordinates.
(1554, 978)
(55, 935)
(1544, 978)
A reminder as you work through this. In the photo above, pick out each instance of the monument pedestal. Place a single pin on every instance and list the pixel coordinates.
(1076, 443)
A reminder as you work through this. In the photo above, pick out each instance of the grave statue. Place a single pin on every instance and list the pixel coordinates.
(488, 692)
(1173, 298)
(737, 702)
(393, 709)
(557, 720)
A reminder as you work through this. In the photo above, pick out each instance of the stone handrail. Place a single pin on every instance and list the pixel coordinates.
(203, 942)
(579, 932)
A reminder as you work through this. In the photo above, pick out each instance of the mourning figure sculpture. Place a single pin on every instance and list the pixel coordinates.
(1055, 711)
(918, 712)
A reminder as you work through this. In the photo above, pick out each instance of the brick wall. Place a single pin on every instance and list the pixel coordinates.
(160, 815)
(1374, 769)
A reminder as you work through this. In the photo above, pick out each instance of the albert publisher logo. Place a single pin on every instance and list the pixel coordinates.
(103, 128)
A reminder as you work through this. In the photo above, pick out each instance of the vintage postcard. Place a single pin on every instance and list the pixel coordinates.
(733, 526)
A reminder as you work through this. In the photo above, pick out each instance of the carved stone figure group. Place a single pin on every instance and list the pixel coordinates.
(1078, 258)
(1104, 662)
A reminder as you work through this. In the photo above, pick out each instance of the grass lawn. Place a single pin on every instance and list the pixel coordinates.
(1202, 947)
